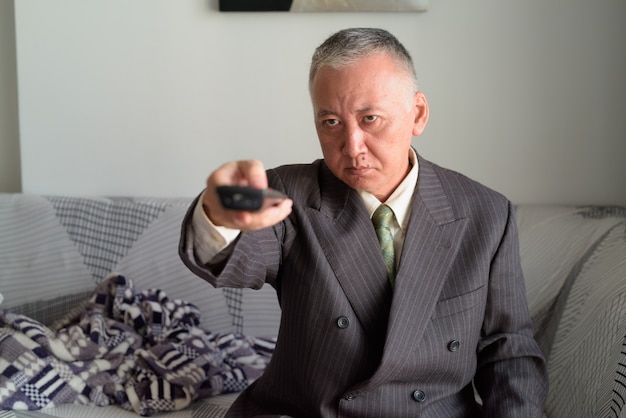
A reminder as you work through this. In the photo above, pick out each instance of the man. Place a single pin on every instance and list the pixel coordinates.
(359, 337)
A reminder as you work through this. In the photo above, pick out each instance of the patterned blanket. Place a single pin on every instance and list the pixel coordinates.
(140, 350)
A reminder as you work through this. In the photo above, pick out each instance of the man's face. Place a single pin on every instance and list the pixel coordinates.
(366, 114)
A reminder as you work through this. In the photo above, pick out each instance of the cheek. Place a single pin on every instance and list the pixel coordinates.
(390, 154)
(328, 152)
(332, 156)
(330, 145)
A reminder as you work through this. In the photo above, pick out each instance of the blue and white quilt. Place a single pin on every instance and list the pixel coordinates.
(140, 350)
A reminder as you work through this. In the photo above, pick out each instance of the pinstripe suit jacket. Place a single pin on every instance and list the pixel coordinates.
(351, 346)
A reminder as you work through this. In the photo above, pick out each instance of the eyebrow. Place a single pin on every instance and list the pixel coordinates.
(325, 112)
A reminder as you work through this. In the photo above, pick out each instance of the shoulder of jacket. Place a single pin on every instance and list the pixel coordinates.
(467, 193)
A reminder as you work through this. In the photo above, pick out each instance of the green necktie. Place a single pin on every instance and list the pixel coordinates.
(382, 222)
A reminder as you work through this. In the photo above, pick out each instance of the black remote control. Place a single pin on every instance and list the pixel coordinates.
(248, 198)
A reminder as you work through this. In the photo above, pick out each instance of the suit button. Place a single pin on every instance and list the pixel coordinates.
(453, 345)
(419, 396)
(343, 322)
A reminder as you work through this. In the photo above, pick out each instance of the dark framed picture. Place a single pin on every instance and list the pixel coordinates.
(323, 5)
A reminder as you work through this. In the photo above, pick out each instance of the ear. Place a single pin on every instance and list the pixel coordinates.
(421, 113)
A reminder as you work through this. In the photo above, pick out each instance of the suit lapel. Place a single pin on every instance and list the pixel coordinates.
(432, 241)
(352, 250)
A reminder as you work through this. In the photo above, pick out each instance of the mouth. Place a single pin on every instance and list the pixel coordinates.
(358, 171)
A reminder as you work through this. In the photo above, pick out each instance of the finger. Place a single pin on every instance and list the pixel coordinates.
(226, 174)
(253, 172)
(251, 221)
(241, 173)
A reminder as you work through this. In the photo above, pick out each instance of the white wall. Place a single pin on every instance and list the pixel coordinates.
(146, 97)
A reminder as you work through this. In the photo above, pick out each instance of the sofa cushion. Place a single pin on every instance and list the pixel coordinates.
(553, 240)
(50, 311)
(587, 359)
(38, 258)
(574, 260)
(56, 246)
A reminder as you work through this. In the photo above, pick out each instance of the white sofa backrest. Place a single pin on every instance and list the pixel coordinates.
(53, 250)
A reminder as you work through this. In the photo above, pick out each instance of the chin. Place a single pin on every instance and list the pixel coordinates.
(358, 183)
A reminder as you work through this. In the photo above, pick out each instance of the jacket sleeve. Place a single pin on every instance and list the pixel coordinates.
(511, 378)
(249, 261)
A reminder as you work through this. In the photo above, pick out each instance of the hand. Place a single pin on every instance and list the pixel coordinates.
(241, 173)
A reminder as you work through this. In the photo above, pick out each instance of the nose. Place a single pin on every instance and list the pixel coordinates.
(354, 141)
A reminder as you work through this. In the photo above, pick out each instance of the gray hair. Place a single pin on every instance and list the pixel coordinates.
(350, 45)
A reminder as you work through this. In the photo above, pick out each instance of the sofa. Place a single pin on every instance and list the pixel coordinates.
(100, 318)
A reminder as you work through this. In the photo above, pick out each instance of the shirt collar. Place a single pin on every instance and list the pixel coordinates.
(400, 199)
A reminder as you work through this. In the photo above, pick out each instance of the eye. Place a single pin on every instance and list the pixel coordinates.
(370, 118)
(330, 122)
